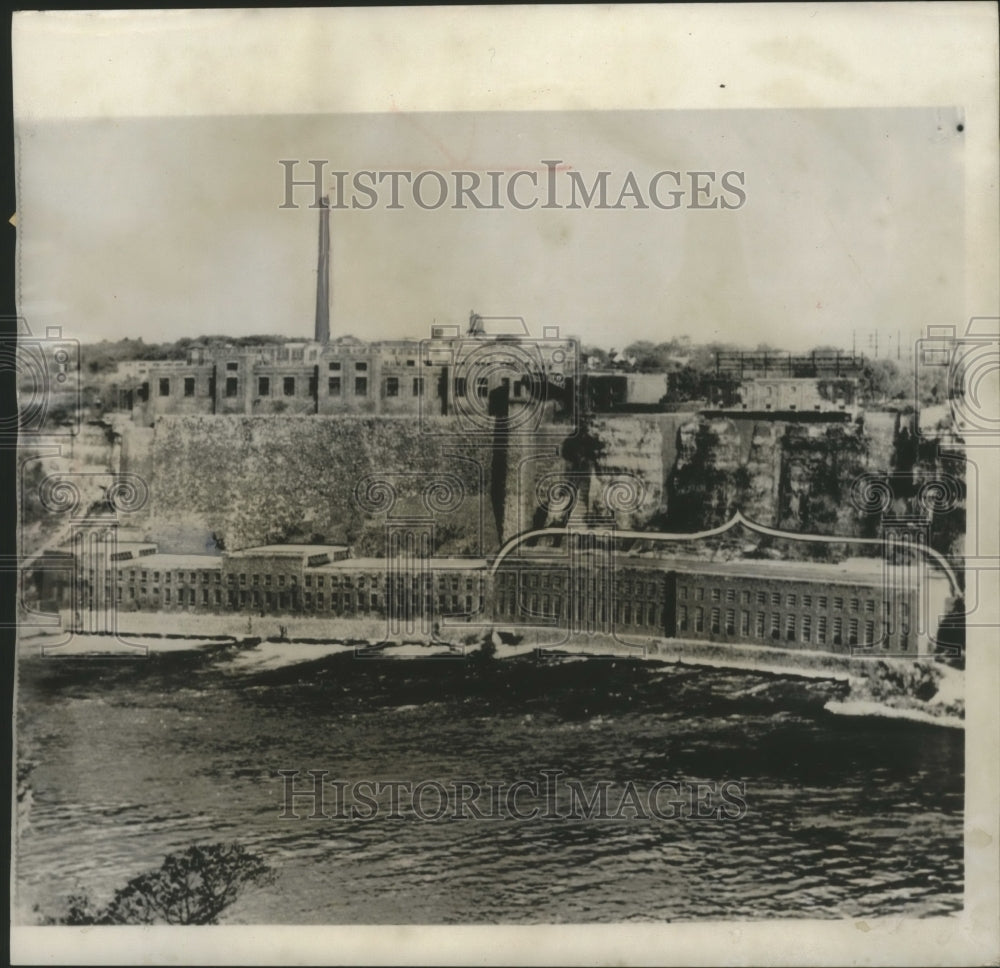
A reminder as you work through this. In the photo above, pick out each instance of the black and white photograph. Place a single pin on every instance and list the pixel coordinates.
(470, 510)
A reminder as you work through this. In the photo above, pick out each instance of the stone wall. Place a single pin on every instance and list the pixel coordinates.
(254, 480)
(247, 480)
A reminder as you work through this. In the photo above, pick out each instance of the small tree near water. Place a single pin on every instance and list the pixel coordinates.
(191, 887)
(488, 649)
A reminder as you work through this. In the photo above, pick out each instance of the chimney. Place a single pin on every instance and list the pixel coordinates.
(323, 274)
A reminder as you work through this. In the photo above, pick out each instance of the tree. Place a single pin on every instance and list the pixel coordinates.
(950, 645)
(644, 353)
(599, 356)
(193, 887)
(881, 380)
(686, 384)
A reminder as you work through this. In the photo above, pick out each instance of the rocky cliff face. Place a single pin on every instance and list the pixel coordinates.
(638, 447)
(614, 469)
(246, 480)
(697, 470)
(794, 476)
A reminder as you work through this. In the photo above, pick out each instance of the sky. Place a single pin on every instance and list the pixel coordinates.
(167, 227)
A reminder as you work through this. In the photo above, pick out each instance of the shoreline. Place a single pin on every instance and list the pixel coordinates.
(861, 707)
(255, 654)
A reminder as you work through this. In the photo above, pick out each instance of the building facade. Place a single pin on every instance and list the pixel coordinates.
(852, 607)
(824, 384)
(856, 606)
(801, 394)
(314, 580)
(445, 375)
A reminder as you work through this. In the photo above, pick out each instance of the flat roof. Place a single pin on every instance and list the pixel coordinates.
(288, 549)
(119, 546)
(659, 374)
(167, 562)
(380, 564)
(133, 547)
(850, 569)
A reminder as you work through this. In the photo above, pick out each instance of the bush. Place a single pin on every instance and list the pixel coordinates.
(193, 887)
(488, 649)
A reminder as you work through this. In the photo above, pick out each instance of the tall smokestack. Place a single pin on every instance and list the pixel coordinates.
(323, 274)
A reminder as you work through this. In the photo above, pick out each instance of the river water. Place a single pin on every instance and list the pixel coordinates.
(853, 817)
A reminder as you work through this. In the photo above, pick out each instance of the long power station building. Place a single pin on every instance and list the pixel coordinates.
(862, 604)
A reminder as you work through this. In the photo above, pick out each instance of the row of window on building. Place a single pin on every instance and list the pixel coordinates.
(624, 586)
(266, 579)
(339, 602)
(635, 614)
(657, 603)
(589, 597)
(290, 386)
(788, 626)
(774, 598)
